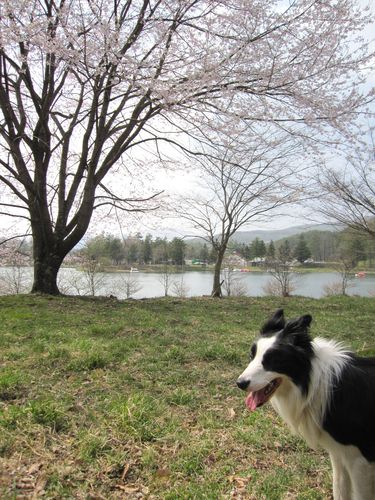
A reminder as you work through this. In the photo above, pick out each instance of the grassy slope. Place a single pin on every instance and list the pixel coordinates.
(106, 399)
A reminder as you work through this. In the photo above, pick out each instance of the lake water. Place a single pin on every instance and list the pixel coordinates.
(194, 283)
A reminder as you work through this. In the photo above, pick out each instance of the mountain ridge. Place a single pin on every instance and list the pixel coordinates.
(277, 234)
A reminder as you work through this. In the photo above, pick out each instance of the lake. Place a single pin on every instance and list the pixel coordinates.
(193, 283)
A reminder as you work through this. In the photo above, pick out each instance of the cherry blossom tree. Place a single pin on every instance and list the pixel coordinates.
(85, 83)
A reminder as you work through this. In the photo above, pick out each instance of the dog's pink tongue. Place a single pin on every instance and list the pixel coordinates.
(254, 399)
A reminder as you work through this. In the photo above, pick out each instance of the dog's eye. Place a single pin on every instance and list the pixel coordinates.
(253, 351)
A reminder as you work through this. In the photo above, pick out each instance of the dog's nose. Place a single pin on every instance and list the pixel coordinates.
(243, 383)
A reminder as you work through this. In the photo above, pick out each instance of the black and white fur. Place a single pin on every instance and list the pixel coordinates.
(324, 393)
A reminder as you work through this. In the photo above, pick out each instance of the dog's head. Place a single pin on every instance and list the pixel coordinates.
(282, 352)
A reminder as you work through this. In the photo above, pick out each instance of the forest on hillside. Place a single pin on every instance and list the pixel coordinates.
(309, 248)
(316, 246)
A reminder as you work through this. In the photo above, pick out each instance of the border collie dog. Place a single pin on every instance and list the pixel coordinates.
(323, 392)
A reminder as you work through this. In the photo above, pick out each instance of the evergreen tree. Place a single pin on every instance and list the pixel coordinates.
(270, 253)
(147, 249)
(177, 251)
(302, 251)
(261, 251)
(257, 248)
(253, 248)
(248, 254)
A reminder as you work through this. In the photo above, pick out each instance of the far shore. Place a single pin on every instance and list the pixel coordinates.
(328, 267)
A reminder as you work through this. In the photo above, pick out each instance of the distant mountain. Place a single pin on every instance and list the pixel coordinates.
(277, 234)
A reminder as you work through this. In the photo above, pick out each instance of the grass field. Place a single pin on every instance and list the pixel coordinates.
(102, 399)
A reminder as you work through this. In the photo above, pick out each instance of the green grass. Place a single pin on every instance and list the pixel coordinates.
(107, 399)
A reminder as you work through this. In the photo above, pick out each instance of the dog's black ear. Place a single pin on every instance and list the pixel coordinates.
(274, 324)
(296, 332)
(298, 325)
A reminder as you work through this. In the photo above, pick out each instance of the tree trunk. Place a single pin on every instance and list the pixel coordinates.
(216, 289)
(48, 257)
(50, 245)
(45, 275)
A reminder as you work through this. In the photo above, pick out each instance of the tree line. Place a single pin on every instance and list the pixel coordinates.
(108, 249)
(317, 247)
(139, 250)
(258, 249)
